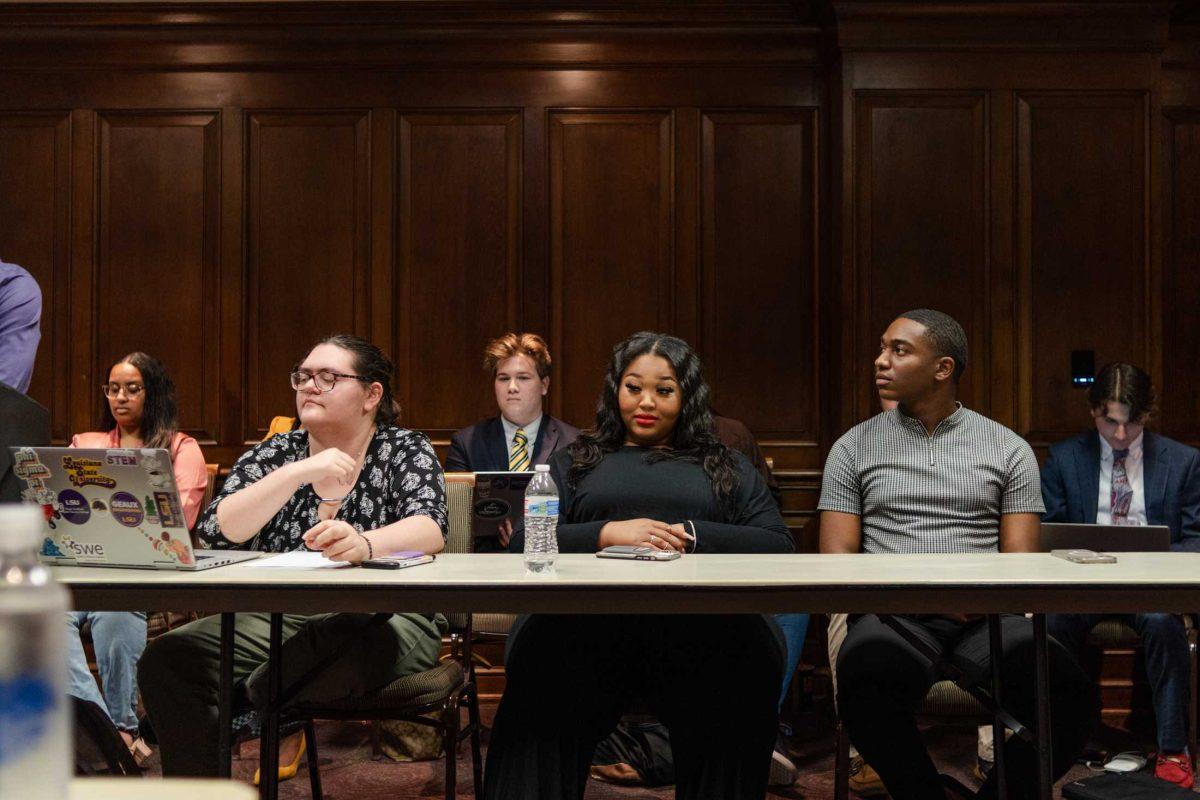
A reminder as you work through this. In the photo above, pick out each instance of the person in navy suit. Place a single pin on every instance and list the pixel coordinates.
(1122, 474)
(522, 434)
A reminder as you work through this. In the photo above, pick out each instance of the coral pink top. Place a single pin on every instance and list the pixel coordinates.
(191, 476)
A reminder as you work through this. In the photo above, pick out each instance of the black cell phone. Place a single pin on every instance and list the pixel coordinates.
(396, 562)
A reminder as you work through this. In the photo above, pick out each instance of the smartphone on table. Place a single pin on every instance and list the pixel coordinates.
(637, 552)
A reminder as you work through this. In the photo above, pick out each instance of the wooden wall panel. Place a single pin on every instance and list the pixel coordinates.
(34, 229)
(611, 238)
(309, 246)
(156, 272)
(1179, 386)
(459, 259)
(921, 224)
(759, 234)
(1082, 247)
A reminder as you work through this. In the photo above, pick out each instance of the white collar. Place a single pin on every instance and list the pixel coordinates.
(1135, 447)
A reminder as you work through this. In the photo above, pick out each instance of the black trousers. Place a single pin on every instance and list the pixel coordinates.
(712, 680)
(882, 680)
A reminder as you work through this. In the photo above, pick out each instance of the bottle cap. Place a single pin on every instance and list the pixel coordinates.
(542, 468)
(21, 527)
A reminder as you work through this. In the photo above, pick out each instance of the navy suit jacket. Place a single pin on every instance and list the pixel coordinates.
(1170, 480)
(482, 447)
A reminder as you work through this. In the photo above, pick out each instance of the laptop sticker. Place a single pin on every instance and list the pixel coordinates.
(73, 507)
(87, 472)
(169, 513)
(126, 509)
(174, 549)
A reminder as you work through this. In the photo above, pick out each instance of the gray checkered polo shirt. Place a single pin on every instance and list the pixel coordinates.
(918, 493)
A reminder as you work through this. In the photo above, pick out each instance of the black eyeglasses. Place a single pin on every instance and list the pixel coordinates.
(323, 379)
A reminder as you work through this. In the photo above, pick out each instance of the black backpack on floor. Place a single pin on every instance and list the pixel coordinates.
(99, 748)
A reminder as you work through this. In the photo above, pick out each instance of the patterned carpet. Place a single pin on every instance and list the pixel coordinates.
(348, 771)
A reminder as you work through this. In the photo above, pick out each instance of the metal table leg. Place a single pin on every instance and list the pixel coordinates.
(268, 757)
(996, 646)
(225, 699)
(1045, 755)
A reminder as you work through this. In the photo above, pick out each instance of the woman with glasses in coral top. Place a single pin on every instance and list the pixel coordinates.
(138, 410)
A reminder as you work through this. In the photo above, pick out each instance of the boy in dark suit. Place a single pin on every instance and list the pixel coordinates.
(1122, 474)
(522, 435)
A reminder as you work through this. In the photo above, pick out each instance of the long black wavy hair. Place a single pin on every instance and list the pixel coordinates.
(160, 414)
(693, 438)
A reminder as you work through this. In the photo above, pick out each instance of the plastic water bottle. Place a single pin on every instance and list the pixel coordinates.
(541, 522)
(36, 758)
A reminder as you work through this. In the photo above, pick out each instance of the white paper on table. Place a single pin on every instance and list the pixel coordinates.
(297, 559)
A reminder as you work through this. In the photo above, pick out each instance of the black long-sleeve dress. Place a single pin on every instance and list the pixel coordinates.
(712, 679)
(625, 485)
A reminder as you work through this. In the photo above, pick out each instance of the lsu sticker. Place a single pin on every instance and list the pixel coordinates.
(170, 515)
(126, 509)
(74, 507)
(86, 472)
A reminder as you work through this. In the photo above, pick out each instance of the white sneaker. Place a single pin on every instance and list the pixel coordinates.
(783, 771)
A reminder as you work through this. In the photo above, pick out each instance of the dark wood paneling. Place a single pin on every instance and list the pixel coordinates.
(759, 268)
(35, 208)
(610, 242)
(459, 259)
(156, 271)
(309, 246)
(1179, 385)
(1083, 247)
(921, 227)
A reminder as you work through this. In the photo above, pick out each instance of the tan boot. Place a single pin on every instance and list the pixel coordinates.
(864, 780)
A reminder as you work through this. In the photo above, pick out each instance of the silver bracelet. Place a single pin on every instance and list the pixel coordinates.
(695, 536)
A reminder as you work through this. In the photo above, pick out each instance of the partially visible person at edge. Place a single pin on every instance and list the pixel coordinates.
(351, 484)
(650, 473)
(931, 476)
(522, 435)
(1119, 473)
(20, 315)
(138, 410)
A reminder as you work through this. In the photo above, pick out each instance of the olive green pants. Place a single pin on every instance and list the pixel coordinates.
(179, 673)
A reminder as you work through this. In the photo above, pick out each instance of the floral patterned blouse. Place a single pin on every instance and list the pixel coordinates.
(400, 478)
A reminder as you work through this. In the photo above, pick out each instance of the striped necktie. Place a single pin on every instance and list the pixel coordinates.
(518, 457)
(1121, 497)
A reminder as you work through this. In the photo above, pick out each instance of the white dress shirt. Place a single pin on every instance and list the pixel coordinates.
(1134, 472)
(531, 432)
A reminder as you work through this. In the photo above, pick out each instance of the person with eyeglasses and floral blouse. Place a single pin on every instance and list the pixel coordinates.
(351, 484)
(138, 410)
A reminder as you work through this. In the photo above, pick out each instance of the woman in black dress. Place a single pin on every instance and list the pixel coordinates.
(652, 472)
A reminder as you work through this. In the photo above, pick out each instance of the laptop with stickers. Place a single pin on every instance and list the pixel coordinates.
(112, 508)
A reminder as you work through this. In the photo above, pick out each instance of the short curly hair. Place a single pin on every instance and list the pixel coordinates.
(505, 347)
